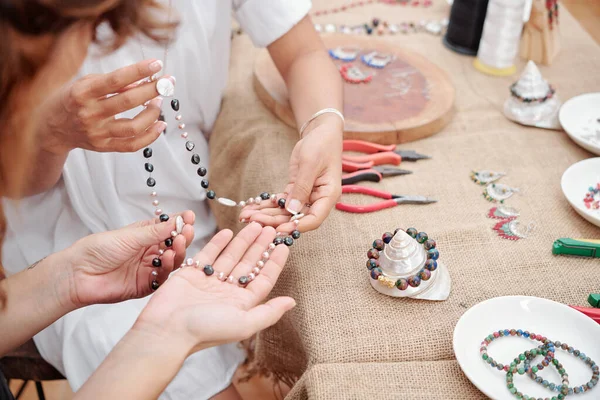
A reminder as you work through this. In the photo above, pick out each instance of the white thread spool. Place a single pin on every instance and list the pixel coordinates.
(501, 35)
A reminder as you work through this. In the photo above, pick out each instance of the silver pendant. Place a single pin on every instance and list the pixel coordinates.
(485, 177)
(165, 87)
(498, 192)
(377, 60)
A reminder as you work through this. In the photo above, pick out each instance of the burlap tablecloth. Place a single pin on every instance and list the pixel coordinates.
(344, 340)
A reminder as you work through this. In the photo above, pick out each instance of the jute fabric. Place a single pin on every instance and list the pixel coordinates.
(340, 319)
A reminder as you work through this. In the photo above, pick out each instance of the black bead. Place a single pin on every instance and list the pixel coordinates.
(375, 22)
(296, 234)
(150, 182)
(175, 104)
(169, 242)
(163, 217)
(278, 240)
(189, 145)
(209, 270)
(155, 285)
(147, 152)
(243, 280)
(202, 171)
(195, 159)
(156, 262)
(211, 194)
(149, 167)
(281, 202)
(288, 241)
(204, 183)
(369, 30)
(265, 196)
(161, 117)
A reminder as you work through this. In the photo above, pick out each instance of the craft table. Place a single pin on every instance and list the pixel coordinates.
(346, 341)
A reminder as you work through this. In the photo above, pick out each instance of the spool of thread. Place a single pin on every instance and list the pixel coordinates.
(465, 26)
(501, 36)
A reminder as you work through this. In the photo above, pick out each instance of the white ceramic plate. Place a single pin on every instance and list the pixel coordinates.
(575, 182)
(541, 316)
(579, 118)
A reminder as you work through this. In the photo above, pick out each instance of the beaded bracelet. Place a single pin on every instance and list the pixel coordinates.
(403, 283)
(513, 92)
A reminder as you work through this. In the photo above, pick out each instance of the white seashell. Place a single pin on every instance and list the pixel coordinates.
(404, 257)
(179, 224)
(165, 87)
(531, 84)
(226, 202)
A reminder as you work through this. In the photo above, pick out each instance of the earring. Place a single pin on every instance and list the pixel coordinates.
(346, 54)
(485, 177)
(512, 229)
(353, 74)
(498, 192)
(377, 60)
(503, 212)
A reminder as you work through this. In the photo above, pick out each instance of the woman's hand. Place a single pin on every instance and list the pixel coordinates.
(199, 311)
(82, 114)
(315, 176)
(117, 265)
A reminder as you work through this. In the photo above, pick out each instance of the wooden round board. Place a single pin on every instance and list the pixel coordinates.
(409, 99)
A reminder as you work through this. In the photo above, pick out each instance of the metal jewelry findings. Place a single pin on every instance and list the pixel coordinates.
(346, 54)
(353, 74)
(377, 60)
(498, 192)
(485, 177)
(512, 229)
(503, 212)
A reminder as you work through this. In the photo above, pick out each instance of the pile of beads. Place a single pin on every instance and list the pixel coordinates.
(592, 198)
(546, 349)
(379, 27)
(345, 7)
(166, 88)
(403, 283)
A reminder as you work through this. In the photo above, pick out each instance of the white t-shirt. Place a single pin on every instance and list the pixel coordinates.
(106, 191)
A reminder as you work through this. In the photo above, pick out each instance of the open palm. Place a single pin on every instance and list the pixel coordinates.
(206, 311)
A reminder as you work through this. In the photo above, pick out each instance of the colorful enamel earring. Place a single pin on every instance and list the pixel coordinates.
(512, 229)
(377, 60)
(486, 177)
(498, 192)
(353, 74)
(346, 54)
(503, 212)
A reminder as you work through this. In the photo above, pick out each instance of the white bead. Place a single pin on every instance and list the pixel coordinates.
(243, 220)
(178, 117)
(272, 246)
(184, 135)
(165, 87)
(197, 263)
(153, 194)
(182, 265)
(257, 199)
(330, 28)
(161, 252)
(158, 211)
(226, 202)
(174, 233)
(179, 224)
(154, 273)
(274, 198)
(260, 264)
(251, 200)
(221, 276)
(155, 203)
(296, 217)
(296, 222)
(256, 270)
(242, 203)
(251, 276)
(189, 262)
(230, 279)
(266, 255)
(181, 126)
(318, 28)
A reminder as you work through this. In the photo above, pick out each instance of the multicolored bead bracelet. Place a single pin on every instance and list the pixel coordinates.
(403, 283)
(522, 357)
(515, 94)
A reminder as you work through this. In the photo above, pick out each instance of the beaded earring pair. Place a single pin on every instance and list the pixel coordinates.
(493, 192)
(352, 73)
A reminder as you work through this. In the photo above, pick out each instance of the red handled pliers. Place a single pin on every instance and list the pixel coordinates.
(391, 200)
(593, 313)
(377, 154)
(375, 174)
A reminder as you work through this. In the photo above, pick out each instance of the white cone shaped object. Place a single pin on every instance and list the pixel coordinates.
(404, 257)
(532, 85)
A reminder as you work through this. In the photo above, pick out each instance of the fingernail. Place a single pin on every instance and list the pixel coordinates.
(162, 126)
(294, 206)
(156, 66)
(173, 79)
(159, 101)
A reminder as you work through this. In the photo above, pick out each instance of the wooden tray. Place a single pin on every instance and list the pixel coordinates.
(409, 99)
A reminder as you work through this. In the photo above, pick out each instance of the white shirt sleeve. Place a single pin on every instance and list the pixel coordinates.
(267, 20)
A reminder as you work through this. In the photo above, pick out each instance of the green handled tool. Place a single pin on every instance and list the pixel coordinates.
(577, 247)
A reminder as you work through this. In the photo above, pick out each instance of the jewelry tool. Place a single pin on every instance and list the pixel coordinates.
(391, 200)
(594, 300)
(593, 313)
(376, 155)
(577, 247)
(375, 174)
